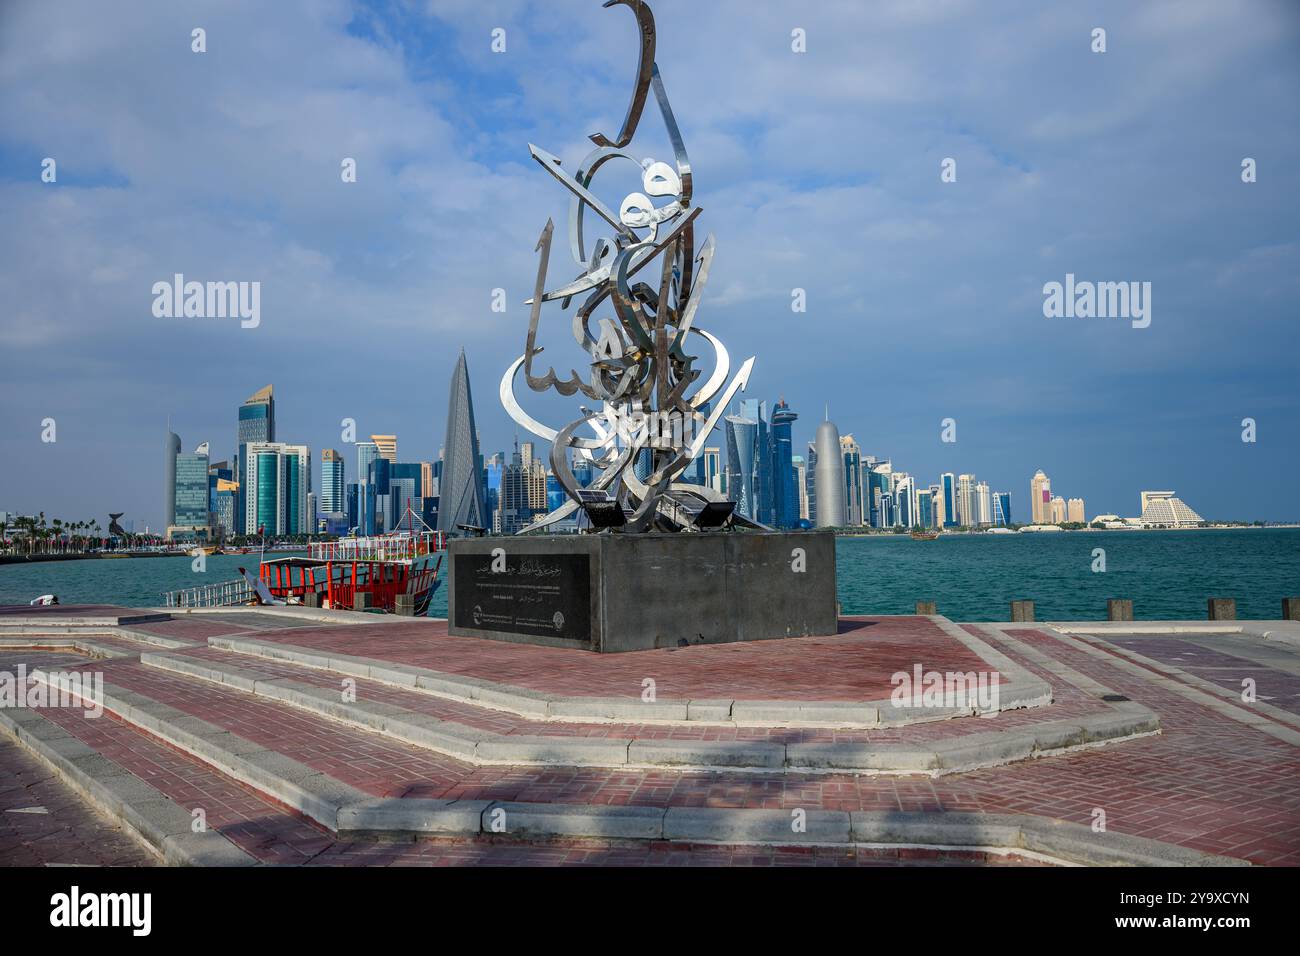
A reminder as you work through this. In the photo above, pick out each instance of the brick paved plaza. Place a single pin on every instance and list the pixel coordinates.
(384, 741)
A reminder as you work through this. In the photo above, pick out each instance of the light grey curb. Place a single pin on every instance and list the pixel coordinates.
(1066, 842)
(314, 794)
(50, 621)
(481, 747)
(82, 645)
(160, 823)
(1023, 690)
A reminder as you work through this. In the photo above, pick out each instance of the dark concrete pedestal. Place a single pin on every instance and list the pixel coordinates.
(630, 592)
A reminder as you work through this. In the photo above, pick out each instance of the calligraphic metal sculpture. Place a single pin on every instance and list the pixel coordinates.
(642, 370)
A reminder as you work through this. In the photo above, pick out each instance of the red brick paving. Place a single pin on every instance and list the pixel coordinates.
(1071, 703)
(854, 665)
(1272, 686)
(70, 831)
(1207, 782)
(191, 628)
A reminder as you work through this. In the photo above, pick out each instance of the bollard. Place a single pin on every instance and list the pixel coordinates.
(1291, 609)
(1119, 609)
(925, 607)
(404, 605)
(311, 599)
(1022, 611)
(361, 601)
(1222, 609)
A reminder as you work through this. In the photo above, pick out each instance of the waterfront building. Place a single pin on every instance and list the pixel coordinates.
(223, 507)
(925, 508)
(516, 511)
(829, 477)
(331, 481)
(256, 424)
(948, 484)
(800, 468)
(853, 483)
(983, 504)
(904, 501)
(171, 448)
(785, 482)
(274, 486)
(191, 518)
(367, 451)
(1001, 508)
(966, 501)
(810, 484)
(1161, 509)
(1074, 511)
(428, 483)
(744, 463)
(1040, 498)
(460, 488)
(1057, 511)
(386, 445)
(713, 468)
(880, 492)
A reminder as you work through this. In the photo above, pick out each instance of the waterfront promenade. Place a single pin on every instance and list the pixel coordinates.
(309, 738)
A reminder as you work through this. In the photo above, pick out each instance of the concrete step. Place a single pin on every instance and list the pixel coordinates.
(461, 730)
(164, 825)
(353, 814)
(1022, 692)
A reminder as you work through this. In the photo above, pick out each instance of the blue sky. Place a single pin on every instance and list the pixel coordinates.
(817, 171)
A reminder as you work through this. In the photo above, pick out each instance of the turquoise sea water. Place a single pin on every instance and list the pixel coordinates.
(1167, 574)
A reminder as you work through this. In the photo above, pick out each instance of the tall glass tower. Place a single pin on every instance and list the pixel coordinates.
(171, 448)
(461, 494)
(331, 481)
(256, 424)
(784, 478)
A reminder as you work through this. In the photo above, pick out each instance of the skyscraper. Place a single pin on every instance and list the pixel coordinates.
(274, 487)
(1056, 508)
(256, 424)
(743, 464)
(948, 487)
(1002, 508)
(785, 479)
(829, 477)
(810, 482)
(1074, 510)
(1040, 498)
(387, 445)
(800, 468)
(171, 448)
(461, 497)
(966, 516)
(367, 451)
(983, 504)
(332, 481)
(853, 513)
(879, 484)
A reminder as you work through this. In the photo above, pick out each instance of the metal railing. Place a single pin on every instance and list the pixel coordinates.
(396, 547)
(221, 594)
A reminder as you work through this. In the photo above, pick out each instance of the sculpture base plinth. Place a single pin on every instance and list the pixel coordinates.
(632, 592)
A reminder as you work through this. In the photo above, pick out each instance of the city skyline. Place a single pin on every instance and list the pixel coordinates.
(394, 272)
